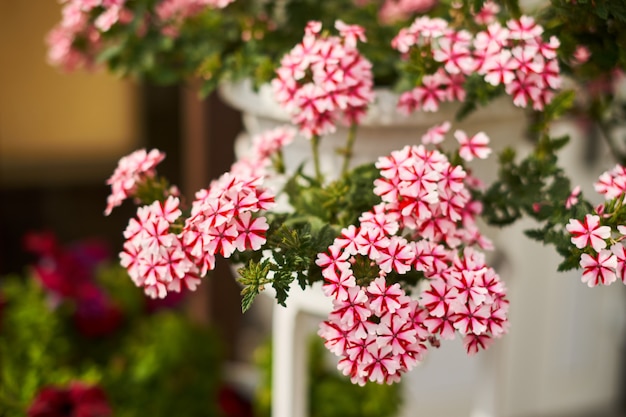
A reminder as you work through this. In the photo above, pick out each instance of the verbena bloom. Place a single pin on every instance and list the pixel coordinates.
(612, 183)
(78, 399)
(588, 232)
(619, 251)
(166, 252)
(487, 14)
(473, 146)
(395, 10)
(572, 199)
(66, 272)
(601, 265)
(96, 314)
(181, 9)
(130, 172)
(339, 87)
(581, 55)
(515, 56)
(76, 41)
(598, 269)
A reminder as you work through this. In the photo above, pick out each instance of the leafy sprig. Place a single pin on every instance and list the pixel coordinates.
(317, 214)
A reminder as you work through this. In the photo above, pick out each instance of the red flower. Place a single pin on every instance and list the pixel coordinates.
(77, 400)
(64, 270)
(233, 404)
(96, 314)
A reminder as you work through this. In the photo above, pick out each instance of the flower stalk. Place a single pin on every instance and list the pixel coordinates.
(347, 152)
(315, 151)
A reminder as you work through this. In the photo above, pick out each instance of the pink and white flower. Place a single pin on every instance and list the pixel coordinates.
(340, 85)
(599, 269)
(473, 147)
(131, 171)
(588, 232)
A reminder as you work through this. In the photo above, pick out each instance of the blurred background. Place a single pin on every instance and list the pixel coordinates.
(61, 136)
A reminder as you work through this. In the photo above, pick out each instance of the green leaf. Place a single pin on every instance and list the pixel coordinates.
(281, 283)
(253, 277)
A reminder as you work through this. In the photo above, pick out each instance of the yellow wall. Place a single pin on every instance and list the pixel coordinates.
(56, 127)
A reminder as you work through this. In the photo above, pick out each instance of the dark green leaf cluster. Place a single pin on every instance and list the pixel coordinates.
(478, 94)
(253, 277)
(538, 188)
(165, 59)
(295, 238)
(599, 25)
(294, 249)
(30, 348)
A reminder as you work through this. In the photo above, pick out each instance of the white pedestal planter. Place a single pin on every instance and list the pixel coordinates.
(561, 353)
(383, 130)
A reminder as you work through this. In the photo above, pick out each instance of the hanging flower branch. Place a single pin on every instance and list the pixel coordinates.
(395, 242)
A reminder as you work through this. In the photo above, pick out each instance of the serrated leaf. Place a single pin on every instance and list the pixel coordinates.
(252, 277)
(535, 234)
(281, 282)
(248, 295)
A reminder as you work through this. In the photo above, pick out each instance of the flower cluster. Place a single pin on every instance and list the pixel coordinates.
(425, 218)
(81, 35)
(598, 235)
(324, 80)
(84, 21)
(514, 56)
(162, 253)
(166, 251)
(418, 239)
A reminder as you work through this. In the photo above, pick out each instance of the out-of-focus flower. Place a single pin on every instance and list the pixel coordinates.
(76, 400)
(64, 270)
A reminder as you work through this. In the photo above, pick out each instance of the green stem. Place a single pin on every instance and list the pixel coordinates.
(315, 149)
(279, 162)
(617, 208)
(348, 151)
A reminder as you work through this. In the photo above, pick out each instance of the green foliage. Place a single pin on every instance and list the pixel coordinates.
(295, 238)
(247, 39)
(559, 106)
(244, 40)
(253, 278)
(330, 393)
(479, 93)
(600, 25)
(168, 367)
(156, 364)
(521, 186)
(538, 188)
(30, 345)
